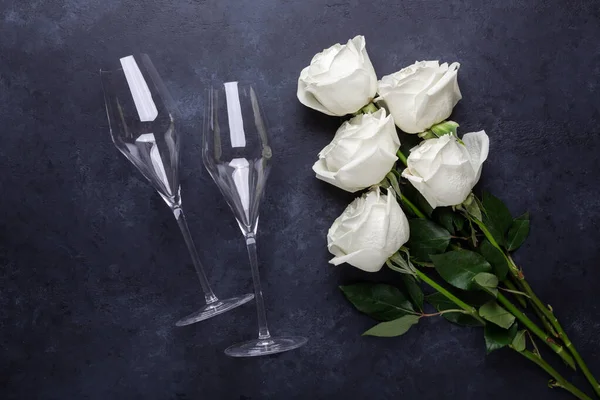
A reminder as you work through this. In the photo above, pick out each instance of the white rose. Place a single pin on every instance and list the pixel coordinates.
(361, 154)
(340, 80)
(421, 95)
(444, 170)
(371, 229)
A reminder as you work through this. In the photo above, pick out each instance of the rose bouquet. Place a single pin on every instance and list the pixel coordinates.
(419, 215)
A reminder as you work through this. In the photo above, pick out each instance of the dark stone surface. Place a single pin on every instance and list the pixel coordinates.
(94, 273)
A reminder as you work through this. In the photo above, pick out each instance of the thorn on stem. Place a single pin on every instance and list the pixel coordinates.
(554, 384)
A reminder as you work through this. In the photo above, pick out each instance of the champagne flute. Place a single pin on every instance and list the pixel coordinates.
(143, 122)
(236, 152)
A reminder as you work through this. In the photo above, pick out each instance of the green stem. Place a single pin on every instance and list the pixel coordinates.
(469, 309)
(410, 205)
(536, 306)
(543, 311)
(580, 362)
(512, 287)
(454, 246)
(549, 315)
(518, 277)
(558, 349)
(369, 108)
(402, 157)
(560, 381)
(487, 233)
(545, 314)
(443, 312)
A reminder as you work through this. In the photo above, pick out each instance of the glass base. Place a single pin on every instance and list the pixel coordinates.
(263, 347)
(216, 308)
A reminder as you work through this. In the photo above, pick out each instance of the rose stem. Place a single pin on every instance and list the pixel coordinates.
(404, 199)
(541, 308)
(520, 299)
(560, 381)
(412, 207)
(514, 310)
(546, 314)
(549, 314)
(517, 275)
(469, 309)
(402, 157)
(558, 349)
(539, 312)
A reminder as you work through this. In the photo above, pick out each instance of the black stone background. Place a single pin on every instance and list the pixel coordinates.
(94, 273)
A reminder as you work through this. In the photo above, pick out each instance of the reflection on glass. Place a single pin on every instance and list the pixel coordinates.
(236, 152)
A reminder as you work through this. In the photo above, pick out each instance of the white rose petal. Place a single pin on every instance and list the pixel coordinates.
(444, 170)
(420, 95)
(340, 80)
(361, 154)
(371, 229)
(478, 145)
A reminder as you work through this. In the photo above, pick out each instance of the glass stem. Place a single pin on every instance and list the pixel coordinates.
(263, 330)
(180, 217)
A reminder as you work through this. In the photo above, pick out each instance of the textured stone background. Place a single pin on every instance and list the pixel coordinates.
(94, 273)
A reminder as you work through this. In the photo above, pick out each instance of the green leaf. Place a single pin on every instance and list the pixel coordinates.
(487, 281)
(396, 173)
(452, 221)
(459, 222)
(473, 234)
(445, 216)
(493, 312)
(496, 217)
(459, 267)
(496, 337)
(476, 298)
(393, 182)
(427, 238)
(471, 206)
(495, 257)
(401, 263)
(518, 232)
(397, 327)
(427, 135)
(414, 290)
(379, 301)
(441, 303)
(444, 128)
(519, 342)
